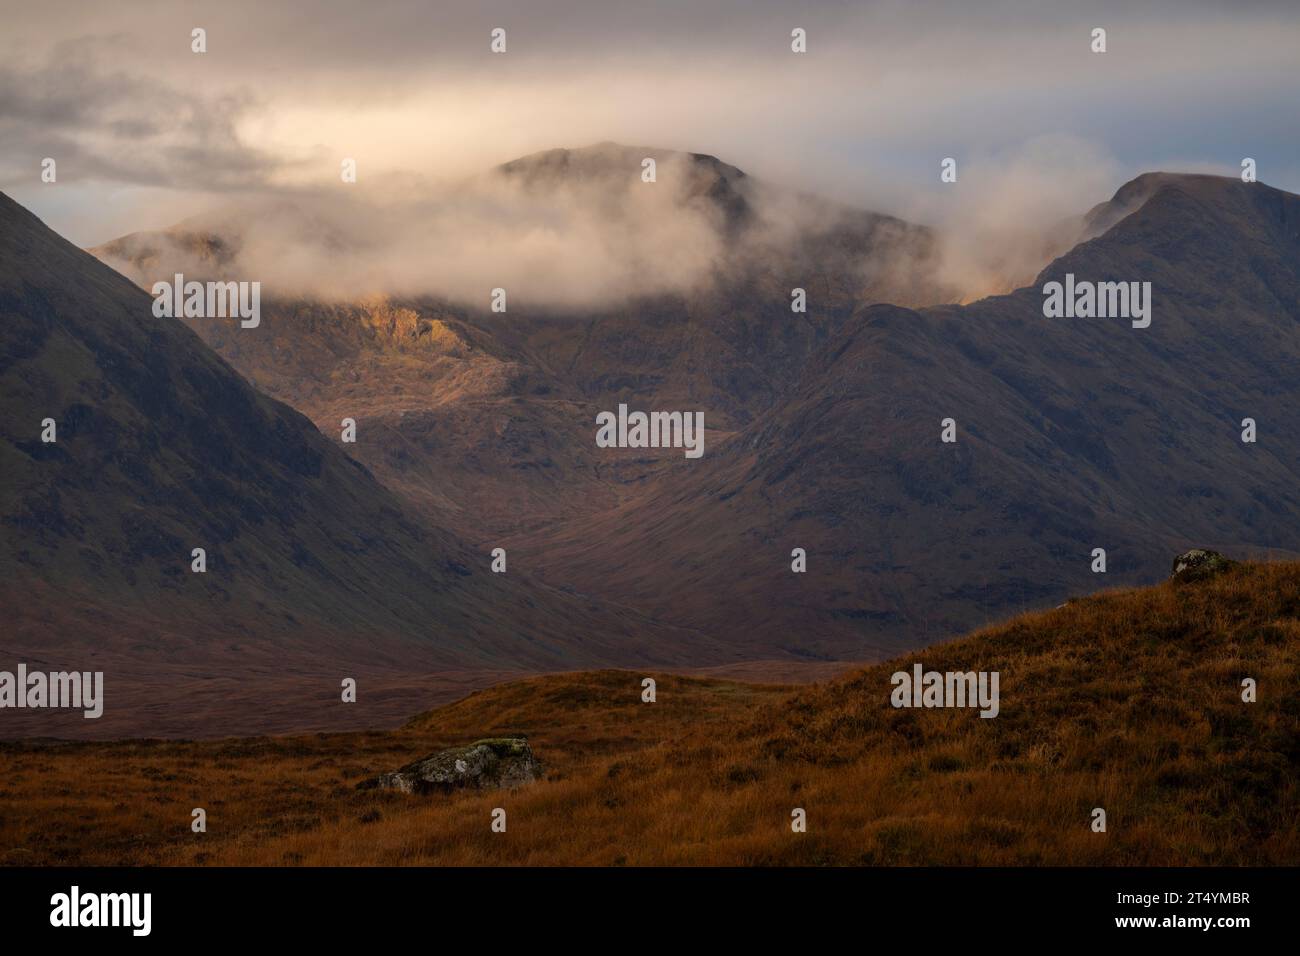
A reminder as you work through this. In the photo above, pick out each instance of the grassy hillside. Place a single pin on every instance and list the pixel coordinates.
(1128, 700)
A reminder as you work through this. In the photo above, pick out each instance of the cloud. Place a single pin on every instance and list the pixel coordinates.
(122, 128)
(565, 242)
(1011, 212)
(141, 126)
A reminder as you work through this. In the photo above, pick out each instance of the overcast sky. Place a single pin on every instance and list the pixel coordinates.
(145, 132)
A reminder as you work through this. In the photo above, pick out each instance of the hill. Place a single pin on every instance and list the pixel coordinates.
(1129, 700)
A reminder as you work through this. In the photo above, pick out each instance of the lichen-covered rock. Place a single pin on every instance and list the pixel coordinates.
(1198, 564)
(494, 763)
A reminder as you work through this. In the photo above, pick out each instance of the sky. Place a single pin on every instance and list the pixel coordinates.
(146, 132)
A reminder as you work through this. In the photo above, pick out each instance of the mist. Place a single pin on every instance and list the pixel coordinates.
(559, 244)
(1008, 215)
(577, 230)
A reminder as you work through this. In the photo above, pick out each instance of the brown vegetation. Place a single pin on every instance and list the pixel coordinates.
(1129, 700)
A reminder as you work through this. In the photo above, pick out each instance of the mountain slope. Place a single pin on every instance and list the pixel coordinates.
(162, 448)
(1072, 434)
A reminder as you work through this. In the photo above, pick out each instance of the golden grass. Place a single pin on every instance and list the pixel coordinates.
(1128, 700)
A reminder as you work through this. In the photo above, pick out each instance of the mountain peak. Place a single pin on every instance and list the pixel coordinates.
(1139, 190)
(610, 158)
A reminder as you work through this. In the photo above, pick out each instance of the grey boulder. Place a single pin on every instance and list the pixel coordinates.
(1198, 564)
(491, 764)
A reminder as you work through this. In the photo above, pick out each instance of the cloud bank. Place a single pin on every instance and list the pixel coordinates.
(146, 132)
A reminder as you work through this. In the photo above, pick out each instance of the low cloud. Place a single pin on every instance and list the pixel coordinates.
(1009, 214)
(564, 242)
(579, 229)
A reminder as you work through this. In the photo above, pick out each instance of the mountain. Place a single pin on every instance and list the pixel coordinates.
(314, 570)
(1072, 434)
(1130, 701)
(469, 412)
(823, 429)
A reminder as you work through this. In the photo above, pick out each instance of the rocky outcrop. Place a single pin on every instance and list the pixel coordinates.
(491, 764)
(1199, 564)
(408, 329)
